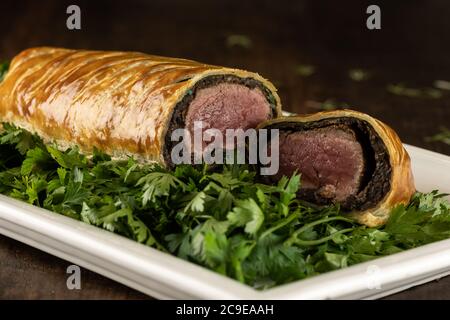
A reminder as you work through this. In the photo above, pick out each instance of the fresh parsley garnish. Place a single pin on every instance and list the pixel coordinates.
(221, 218)
(358, 74)
(4, 66)
(305, 70)
(443, 136)
(426, 93)
(238, 40)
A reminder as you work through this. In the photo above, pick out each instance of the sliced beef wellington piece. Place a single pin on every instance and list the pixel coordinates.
(128, 103)
(345, 157)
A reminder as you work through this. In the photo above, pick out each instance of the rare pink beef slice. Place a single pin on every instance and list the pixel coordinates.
(222, 102)
(330, 160)
(341, 161)
(228, 105)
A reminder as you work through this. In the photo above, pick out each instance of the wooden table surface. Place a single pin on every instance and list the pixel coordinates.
(274, 38)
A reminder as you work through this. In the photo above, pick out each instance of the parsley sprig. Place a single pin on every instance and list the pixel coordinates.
(221, 218)
(4, 66)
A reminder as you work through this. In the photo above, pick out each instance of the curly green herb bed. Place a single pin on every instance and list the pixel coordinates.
(221, 219)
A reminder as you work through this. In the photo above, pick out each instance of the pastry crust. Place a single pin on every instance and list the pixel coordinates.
(119, 102)
(401, 180)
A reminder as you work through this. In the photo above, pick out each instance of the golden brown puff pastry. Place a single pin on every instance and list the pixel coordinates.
(124, 103)
(347, 157)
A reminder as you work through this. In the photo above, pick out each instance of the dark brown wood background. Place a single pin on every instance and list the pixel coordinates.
(413, 47)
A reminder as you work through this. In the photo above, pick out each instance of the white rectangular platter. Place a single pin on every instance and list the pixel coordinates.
(164, 276)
